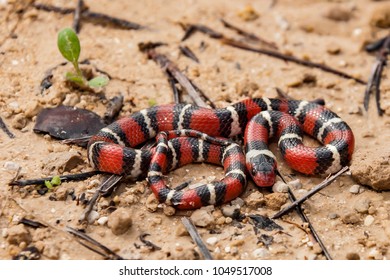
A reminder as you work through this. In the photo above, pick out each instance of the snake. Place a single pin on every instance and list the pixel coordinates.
(188, 133)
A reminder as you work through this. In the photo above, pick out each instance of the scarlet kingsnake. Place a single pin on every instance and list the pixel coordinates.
(110, 150)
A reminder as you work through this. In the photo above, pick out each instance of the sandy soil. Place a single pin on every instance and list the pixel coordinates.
(351, 218)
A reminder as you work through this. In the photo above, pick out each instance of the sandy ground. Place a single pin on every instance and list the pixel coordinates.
(350, 216)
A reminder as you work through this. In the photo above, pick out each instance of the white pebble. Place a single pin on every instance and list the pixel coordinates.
(295, 184)
(280, 187)
(102, 221)
(260, 253)
(4, 233)
(93, 216)
(369, 220)
(238, 201)
(227, 249)
(212, 240)
(354, 189)
(11, 165)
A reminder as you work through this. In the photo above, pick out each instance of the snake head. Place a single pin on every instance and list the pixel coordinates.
(263, 170)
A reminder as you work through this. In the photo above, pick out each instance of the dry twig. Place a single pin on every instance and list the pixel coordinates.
(196, 237)
(316, 189)
(374, 82)
(190, 29)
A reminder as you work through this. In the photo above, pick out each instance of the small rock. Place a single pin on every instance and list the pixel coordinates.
(260, 253)
(202, 218)
(238, 201)
(255, 199)
(52, 251)
(351, 218)
(280, 187)
(11, 166)
(248, 13)
(338, 14)
(19, 121)
(4, 232)
(230, 210)
(295, 184)
(61, 193)
(18, 234)
(275, 200)
(354, 189)
(152, 203)
(353, 256)
(212, 240)
(32, 108)
(93, 216)
(102, 220)
(362, 205)
(380, 16)
(71, 99)
(169, 210)
(181, 230)
(120, 221)
(333, 216)
(369, 220)
(375, 254)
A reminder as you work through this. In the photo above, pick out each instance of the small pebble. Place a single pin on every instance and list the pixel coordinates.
(355, 189)
(11, 165)
(202, 218)
(350, 218)
(353, 256)
(369, 220)
(230, 210)
(260, 253)
(333, 216)
(18, 234)
(255, 199)
(152, 203)
(280, 187)
(102, 221)
(362, 205)
(295, 184)
(275, 200)
(169, 210)
(120, 221)
(238, 201)
(93, 216)
(212, 240)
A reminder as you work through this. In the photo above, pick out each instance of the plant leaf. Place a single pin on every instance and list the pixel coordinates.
(99, 81)
(56, 181)
(69, 45)
(72, 77)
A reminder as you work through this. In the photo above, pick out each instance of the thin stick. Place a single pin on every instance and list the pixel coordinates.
(374, 81)
(196, 237)
(190, 29)
(188, 53)
(316, 189)
(4, 128)
(107, 253)
(91, 16)
(105, 187)
(171, 68)
(77, 16)
(248, 35)
(64, 178)
(306, 220)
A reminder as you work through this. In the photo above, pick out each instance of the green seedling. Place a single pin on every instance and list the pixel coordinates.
(55, 181)
(69, 45)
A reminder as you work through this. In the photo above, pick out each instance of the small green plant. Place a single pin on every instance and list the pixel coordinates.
(55, 181)
(69, 45)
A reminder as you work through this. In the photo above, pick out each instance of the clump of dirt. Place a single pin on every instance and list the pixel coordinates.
(351, 215)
